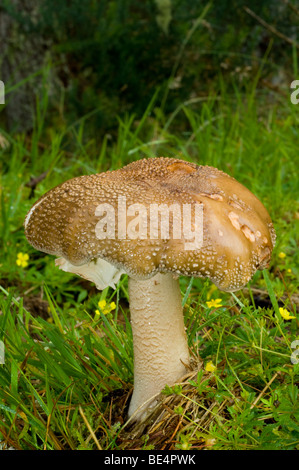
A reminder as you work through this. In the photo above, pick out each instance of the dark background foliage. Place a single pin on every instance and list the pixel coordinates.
(113, 54)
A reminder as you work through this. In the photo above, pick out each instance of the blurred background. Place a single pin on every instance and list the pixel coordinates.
(110, 57)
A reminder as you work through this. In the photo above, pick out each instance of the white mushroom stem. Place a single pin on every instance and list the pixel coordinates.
(160, 342)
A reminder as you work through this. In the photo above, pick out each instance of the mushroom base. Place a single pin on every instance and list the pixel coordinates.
(161, 351)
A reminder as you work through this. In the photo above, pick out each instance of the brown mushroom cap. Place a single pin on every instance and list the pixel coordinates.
(238, 235)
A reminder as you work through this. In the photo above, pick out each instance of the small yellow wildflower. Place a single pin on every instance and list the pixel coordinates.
(210, 367)
(104, 307)
(22, 260)
(285, 314)
(214, 303)
(102, 304)
(281, 255)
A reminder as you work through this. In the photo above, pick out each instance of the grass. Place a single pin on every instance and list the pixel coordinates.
(68, 371)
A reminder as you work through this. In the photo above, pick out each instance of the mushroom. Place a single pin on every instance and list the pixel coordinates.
(154, 219)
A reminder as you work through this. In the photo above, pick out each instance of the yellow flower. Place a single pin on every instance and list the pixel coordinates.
(214, 303)
(281, 255)
(104, 307)
(22, 260)
(210, 367)
(285, 314)
(102, 304)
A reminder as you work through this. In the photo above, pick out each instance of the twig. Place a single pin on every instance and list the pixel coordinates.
(90, 428)
(33, 182)
(292, 7)
(271, 28)
(263, 391)
(177, 426)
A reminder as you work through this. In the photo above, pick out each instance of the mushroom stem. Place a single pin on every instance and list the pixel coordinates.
(160, 343)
